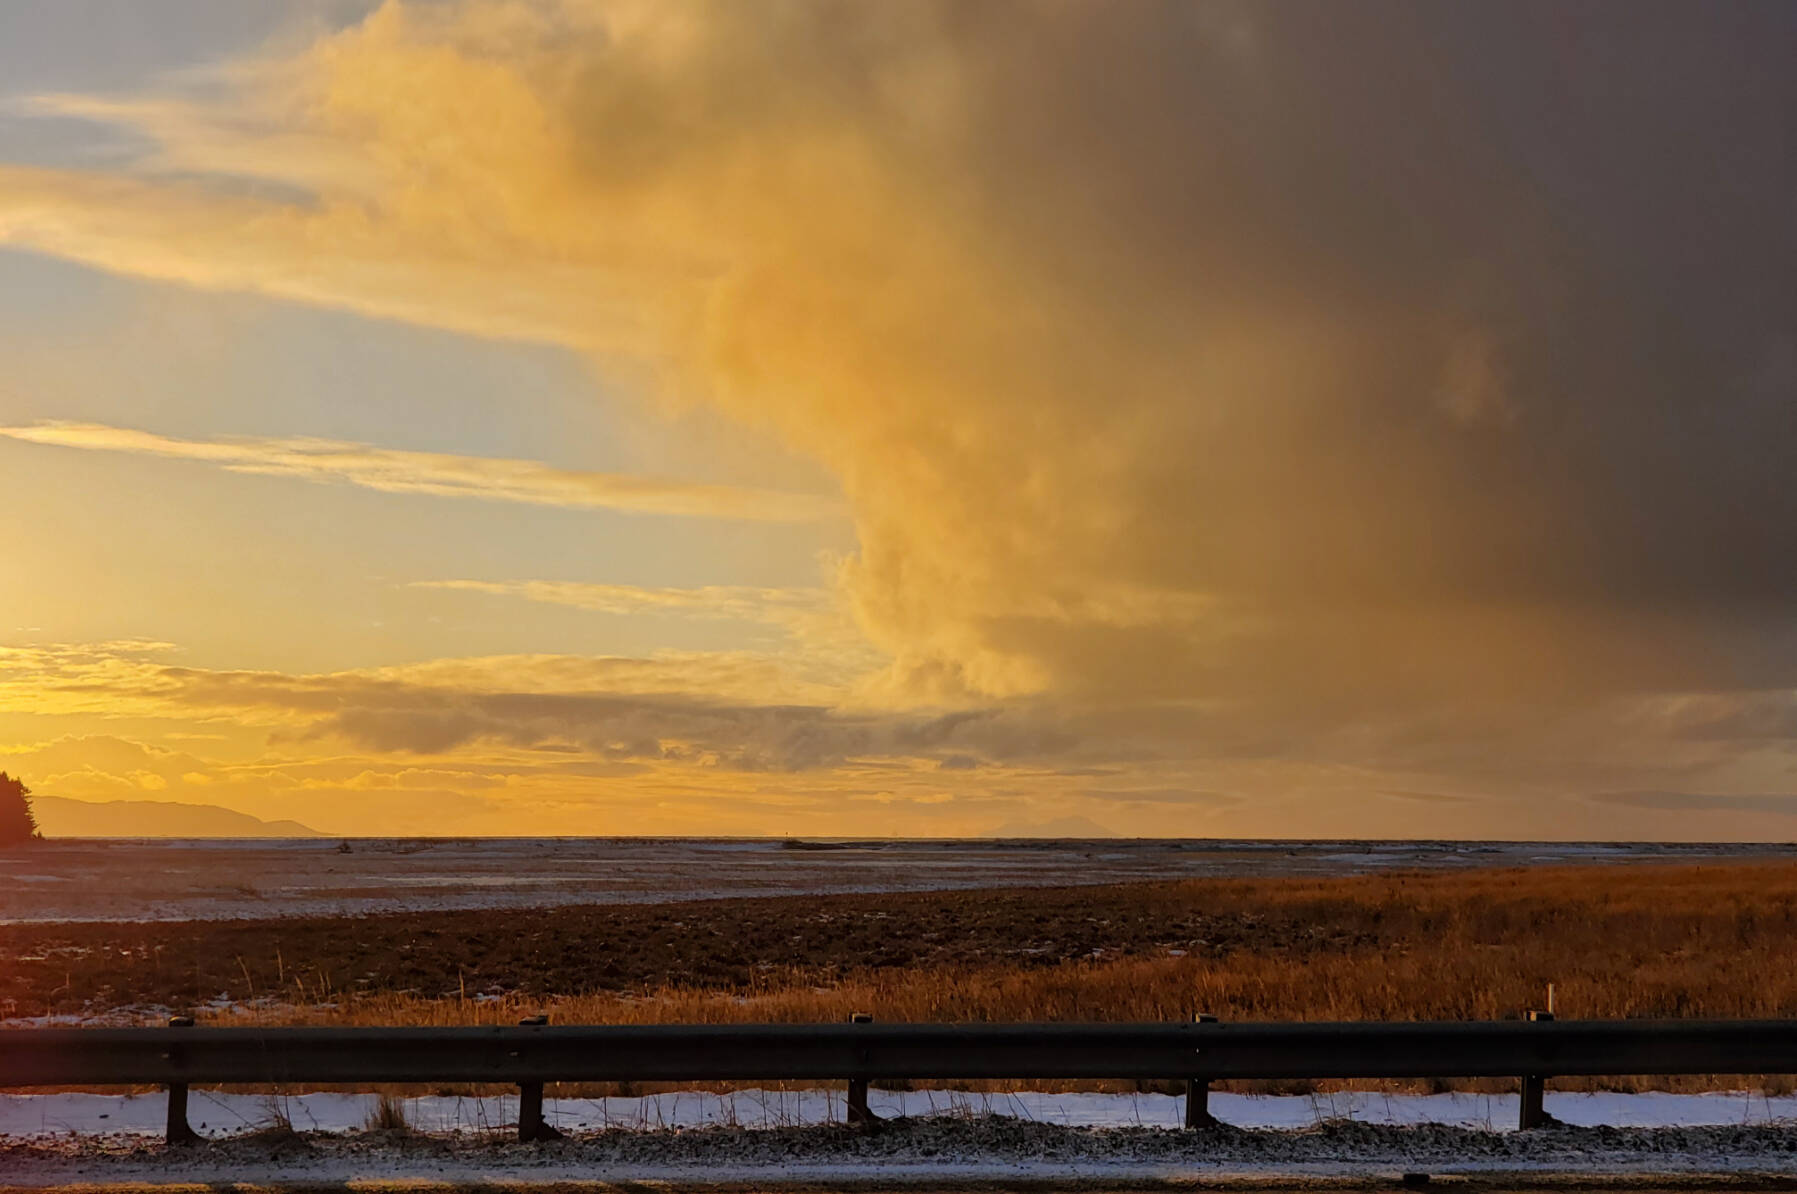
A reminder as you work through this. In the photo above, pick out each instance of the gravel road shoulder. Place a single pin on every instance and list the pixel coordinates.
(923, 1152)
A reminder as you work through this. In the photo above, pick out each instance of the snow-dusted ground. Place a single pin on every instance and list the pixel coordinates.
(120, 880)
(959, 1144)
(215, 1113)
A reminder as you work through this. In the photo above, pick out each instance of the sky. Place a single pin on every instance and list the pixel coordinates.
(824, 418)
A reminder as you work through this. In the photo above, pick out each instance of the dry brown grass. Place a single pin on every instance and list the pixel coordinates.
(1685, 941)
(389, 1115)
(1632, 940)
(1677, 941)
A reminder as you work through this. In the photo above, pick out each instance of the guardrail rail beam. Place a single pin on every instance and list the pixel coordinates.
(864, 1053)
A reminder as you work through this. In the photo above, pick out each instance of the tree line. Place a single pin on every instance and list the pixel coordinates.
(18, 824)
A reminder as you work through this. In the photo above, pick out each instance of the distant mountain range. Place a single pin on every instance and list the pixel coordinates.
(58, 816)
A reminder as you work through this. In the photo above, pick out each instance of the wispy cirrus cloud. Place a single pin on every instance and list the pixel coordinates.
(822, 638)
(442, 474)
(737, 603)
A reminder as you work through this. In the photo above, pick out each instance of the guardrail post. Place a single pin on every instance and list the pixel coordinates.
(859, 1115)
(531, 1124)
(1534, 1088)
(178, 1130)
(1198, 1090)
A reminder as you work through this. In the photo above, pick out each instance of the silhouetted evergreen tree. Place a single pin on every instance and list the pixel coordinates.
(17, 824)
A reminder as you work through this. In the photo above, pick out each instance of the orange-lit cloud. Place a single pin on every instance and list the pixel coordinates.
(605, 743)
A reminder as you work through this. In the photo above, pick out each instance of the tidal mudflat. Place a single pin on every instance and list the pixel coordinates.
(176, 880)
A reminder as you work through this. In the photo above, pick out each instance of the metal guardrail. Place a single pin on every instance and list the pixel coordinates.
(1200, 1052)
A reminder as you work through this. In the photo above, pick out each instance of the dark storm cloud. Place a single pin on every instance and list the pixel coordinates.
(425, 718)
(1546, 258)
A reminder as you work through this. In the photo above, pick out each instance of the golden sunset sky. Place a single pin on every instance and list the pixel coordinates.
(1203, 418)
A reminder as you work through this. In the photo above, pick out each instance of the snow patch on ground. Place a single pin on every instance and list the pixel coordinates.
(216, 1113)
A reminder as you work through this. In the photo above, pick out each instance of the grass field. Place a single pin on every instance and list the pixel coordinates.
(1635, 941)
